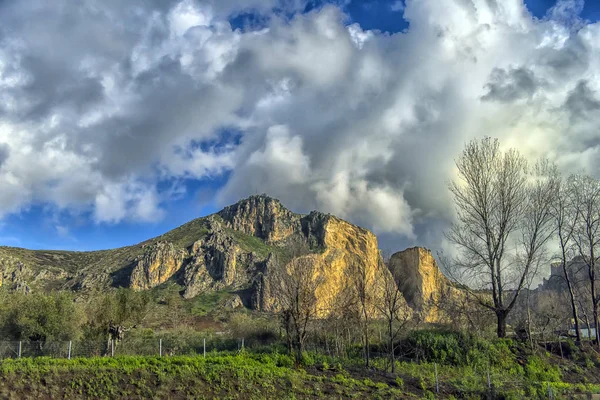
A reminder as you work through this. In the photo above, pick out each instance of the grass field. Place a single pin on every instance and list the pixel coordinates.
(247, 375)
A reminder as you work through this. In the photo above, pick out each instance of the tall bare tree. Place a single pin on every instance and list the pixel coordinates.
(586, 191)
(295, 284)
(503, 222)
(565, 214)
(392, 306)
(362, 282)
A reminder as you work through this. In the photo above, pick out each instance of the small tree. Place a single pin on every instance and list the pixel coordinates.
(295, 284)
(502, 223)
(392, 306)
(363, 288)
(116, 312)
(39, 317)
(565, 214)
(586, 193)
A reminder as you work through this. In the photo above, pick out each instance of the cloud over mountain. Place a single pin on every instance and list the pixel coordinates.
(100, 101)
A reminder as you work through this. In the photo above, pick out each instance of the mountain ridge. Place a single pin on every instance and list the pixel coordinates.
(235, 249)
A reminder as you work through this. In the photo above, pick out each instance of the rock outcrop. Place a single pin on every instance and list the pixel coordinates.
(16, 275)
(159, 263)
(263, 217)
(421, 282)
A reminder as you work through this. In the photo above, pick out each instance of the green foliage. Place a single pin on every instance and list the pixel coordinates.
(205, 303)
(245, 376)
(40, 317)
(307, 359)
(399, 382)
(537, 369)
(122, 306)
(460, 349)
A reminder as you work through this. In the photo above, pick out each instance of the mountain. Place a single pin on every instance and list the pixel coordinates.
(232, 250)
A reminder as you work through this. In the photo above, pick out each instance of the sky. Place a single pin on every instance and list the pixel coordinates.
(122, 120)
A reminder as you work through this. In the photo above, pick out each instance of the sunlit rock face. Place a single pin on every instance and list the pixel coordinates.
(263, 217)
(421, 282)
(159, 263)
(336, 244)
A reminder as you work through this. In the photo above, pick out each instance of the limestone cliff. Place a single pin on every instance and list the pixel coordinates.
(421, 282)
(160, 262)
(336, 245)
(263, 217)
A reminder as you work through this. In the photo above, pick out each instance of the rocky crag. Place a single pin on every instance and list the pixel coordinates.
(422, 283)
(235, 250)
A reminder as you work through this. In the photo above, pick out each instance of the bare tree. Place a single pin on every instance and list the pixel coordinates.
(565, 214)
(295, 284)
(362, 285)
(502, 225)
(586, 191)
(393, 308)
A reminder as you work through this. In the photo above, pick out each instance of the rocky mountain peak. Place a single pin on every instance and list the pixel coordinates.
(261, 216)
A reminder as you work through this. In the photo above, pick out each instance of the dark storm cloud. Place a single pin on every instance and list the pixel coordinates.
(510, 85)
(4, 153)
(581, 101)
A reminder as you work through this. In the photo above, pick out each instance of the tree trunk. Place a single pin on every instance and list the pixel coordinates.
(367, 347)
(366, 336)
(573, 306)
(594, 304)
(391, 345)
(501, 318)
(529, 335)
(596, 323)
(587, 323)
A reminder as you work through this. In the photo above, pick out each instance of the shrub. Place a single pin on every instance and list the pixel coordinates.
(460, 349)
(399, 382)
(538, 370)
(260, 330)
(307, 359)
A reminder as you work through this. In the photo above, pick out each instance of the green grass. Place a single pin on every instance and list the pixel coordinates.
(205, 303)
(261, 376)
(267, 372)
(243, 376)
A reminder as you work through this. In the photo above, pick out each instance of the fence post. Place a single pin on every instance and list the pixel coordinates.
(69, 355)
(160, 347)
(204, 347)
(242, 343)
(19, 349)
(550, 394)
(437, 383)
(112, 348)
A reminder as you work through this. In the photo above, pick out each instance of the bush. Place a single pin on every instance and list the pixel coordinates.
(460, 349)
(540, 371)
(307, 359)
(254, 330)
(40, 317)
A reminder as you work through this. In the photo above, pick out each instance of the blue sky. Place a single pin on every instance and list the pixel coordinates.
(169, 118)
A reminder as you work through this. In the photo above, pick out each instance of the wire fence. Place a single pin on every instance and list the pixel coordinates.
(131, 347)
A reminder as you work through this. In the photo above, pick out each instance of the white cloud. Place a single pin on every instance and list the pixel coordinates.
(353, 122)
(398, 6)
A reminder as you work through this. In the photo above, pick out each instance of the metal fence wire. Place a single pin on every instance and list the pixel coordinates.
(134, 346)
